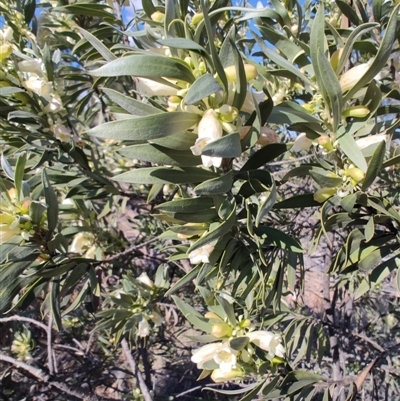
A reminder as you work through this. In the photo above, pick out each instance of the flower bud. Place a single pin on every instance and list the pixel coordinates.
(325, 142)
(352, 76)
(158, 16)
(324, 194)
(335, 58)
(355, 173)
(249, 69)
(356, 111)
(221, 330)
(219, 377)
(267, 136)
(5, 51)
(213, 316)
(198, 17)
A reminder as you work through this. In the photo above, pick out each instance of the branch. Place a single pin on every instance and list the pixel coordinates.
(136, 372)
(131, 249)
(23, 319)
(42, 376)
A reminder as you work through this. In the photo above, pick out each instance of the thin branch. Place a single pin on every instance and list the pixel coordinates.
(23, 319)
(136, 372)
(39, 374)
(197, 388)
(131, 249)
(50, 361)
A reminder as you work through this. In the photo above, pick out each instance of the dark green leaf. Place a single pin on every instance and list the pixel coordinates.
(374, 166)
(203, 87)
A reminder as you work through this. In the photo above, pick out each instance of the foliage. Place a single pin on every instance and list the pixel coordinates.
(204, 116)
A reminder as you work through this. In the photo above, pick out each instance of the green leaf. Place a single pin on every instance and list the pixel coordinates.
(97, 44)
(165, 175)
(219, 185)
(158, 154)
(332, 88)
(218, 232)
(182, 43)
(280, 61)
(350, 148)
(349, 12)
(51, 201)
(211, 45)
(348, 48)
(384, 52)
(238, 343)
(29, 10)
(88, 9)
(133, 106)
(19, 174)
(203, 87)
(147, 66)
(265, 155)
(374, 166)
(188, 205)
(192, 315)
(146, 127)
(278, 238)
(228, 146)
(298, 201)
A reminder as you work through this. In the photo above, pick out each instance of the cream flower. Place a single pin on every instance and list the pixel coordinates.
(38, 85)
(205, 354)
(33, 65)
(301, 143)
(61, 133)
(144, 279)
(201, 255)
(226, 358)
(8, 228)
(81, 242)
(208, 130)
(54, 105)
(143, 328)
(267, 341)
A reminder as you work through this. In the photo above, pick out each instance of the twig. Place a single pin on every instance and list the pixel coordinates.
(50, 360)
(131, 249)
(39, 374)
(23, 319)
(197, 388)
(136, 372)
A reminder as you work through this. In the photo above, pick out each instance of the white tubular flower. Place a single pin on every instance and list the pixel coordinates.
(370, 140)
(8, 229)
(220, 377)
(201, 255)
(268, 341)
(38, 85)
(81, 242)
(226, 358)
(208, 130)
(144, 279)
(33, 65)
(248, 105)
(6, 34)
(143, 328)
(301, 143)
(205, 354)
(148, 88)
(54, 105)
(61, 133)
